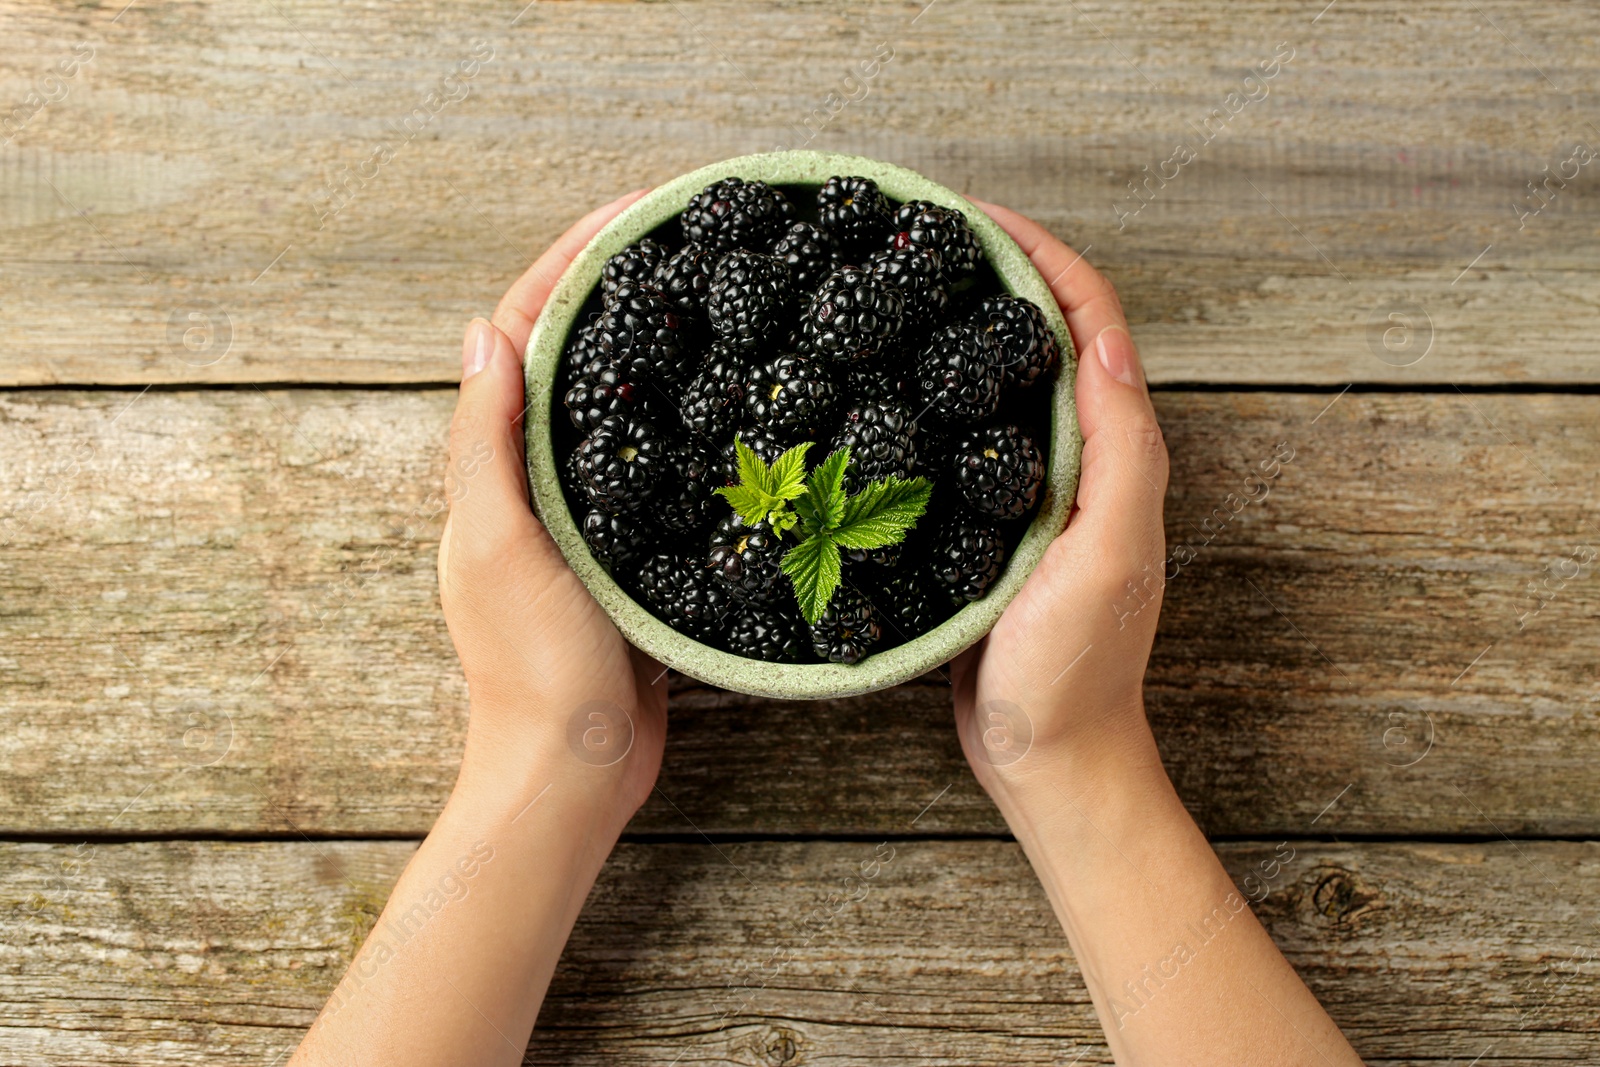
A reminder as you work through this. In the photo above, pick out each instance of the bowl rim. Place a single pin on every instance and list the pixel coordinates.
(542, 367)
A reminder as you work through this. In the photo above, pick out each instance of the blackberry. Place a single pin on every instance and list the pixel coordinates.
(603, 389)
(887, 556)
(622, 463)
(909, 608)
(881, 443)
(999, 471)
(746, 558)
(613, 539)
(641, 333)
(734, 213)
(854, 212)
(869, 383)
(770, 634)
(760, 440)
(808, 252)
(923, 224)
(955, 376)
(848, 627)
(854, 314)
(684, 278)
(714, 398)
(636, 263)
(749, 300)
(583, 347)
(686, 504)
(1020, 340)
(683, 594)
(919, 275)
(966, 556)
(791, 396)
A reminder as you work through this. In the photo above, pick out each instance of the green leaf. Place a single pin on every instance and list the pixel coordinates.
(813, 567)
(789, 472)
(752, 505)
(753, 470)
(824, 501)
(881, 513)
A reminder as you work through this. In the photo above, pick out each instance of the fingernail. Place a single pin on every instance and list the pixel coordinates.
(1118, 356)
(476, 348)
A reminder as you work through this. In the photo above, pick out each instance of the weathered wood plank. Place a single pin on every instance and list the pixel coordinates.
(186, 952)
(220, 614)
(185, 169)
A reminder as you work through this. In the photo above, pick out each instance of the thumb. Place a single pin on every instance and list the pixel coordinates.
(1123, 479)
(486, 481)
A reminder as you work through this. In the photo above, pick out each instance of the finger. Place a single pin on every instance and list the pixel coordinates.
(525, 299)
(1087, 299)
(486, 483)
(1123, 476)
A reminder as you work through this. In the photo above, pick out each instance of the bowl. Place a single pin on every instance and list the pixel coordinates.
(542, 369)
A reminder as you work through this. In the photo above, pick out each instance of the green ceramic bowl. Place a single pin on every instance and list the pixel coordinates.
(809, 680)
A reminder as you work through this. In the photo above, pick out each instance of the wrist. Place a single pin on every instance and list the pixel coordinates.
(591, 765)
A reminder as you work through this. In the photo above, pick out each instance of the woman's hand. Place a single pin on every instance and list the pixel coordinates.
(545, 667)
(563, 745)
(1051, 715)
(1062, 673)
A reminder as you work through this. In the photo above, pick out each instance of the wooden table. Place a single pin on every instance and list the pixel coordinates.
(230, 705)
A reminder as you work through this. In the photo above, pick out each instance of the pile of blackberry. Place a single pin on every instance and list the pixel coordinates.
(781, 316)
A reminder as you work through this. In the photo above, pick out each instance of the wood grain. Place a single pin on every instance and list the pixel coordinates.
(176, 193)
(220, 615)
(194, 952)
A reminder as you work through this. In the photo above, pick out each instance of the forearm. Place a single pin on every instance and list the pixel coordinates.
(1179, 969)
(458, 963)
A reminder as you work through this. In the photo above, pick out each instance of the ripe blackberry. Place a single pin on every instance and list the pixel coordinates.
(999, 471)
(1019, 339)
(809, 253)
(683, 594)
(760, 440)
(687, 502)
(848, 627)
(613, 539)
(714, 399)
(623, 463)
(770, 634)
(734, 213)
(921, 223)
(854, 314)
(637, 263)
(747, 558)
(640, 332)
(884, 557)
(868, 382)
(966, 556)
(603, 389)
(684, 278)
(791, 396)
(583, 347)
(854, 212)
(957, 381)
(749, 301)
(909, 608)
(919, 275)
(880, 437)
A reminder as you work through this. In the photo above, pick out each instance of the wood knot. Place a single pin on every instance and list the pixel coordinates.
(780, 1046)
(1338, 897)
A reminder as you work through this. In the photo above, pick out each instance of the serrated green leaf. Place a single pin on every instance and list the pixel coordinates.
(753, 470)
(813, 566)
(823, 503)
(789, 472)
(881, 513)
(751, 504)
